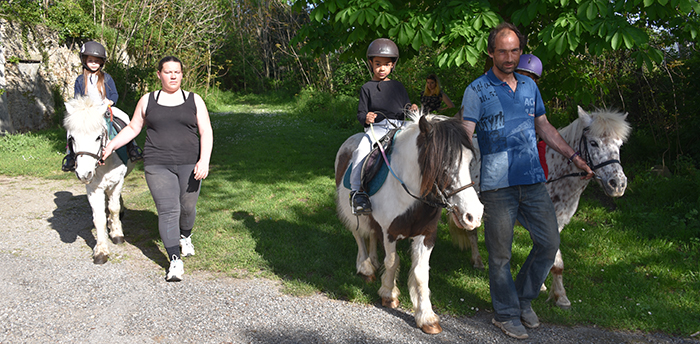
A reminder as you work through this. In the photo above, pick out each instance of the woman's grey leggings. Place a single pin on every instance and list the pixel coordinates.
(175, 192)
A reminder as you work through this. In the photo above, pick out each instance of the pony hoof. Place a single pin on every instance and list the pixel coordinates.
(118, 240)
(100, 258)
(390, 303)
(432, 329)
(564, 305)
(368, 279)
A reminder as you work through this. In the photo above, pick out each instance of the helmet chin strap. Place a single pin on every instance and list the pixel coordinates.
(85, 66)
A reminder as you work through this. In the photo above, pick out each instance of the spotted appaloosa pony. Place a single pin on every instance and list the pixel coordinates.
(431, 155)
(598, 136)
(87, 129)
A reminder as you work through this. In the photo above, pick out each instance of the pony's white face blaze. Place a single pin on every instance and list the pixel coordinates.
(86, 125)
(468, 209)
(86, 164)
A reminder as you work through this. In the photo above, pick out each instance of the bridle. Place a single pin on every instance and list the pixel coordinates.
(442, 197)
(586, 155)
(98, 156)
(442, 201)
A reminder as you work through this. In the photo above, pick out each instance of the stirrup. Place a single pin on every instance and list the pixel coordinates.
(360, 203)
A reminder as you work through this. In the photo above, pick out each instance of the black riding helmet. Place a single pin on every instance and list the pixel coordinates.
(95, 49)
(383, 47)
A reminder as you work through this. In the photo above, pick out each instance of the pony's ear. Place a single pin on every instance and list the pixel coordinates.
(582, 113)
(69, 107)
(460, 113)
(425, 127)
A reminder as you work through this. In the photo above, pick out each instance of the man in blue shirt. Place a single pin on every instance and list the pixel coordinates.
(506, 111)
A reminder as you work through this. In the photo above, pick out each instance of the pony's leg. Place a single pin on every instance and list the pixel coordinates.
(426, 319)
(363, 263)
(558, 293)
(114, 205)
(100, 253)
(477, 261)
(388, 291)
(373, 250)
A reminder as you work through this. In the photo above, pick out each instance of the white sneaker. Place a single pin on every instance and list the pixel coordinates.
(176, 270)
(186, 247)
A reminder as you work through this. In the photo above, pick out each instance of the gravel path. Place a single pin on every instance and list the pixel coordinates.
(52, 292)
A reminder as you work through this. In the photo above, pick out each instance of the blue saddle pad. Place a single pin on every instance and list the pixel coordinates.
(112, 132)
(375, 184)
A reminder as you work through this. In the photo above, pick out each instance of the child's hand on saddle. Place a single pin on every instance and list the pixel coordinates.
(414, 107)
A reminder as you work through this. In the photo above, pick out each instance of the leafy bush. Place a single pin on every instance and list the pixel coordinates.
(67, 17)
(337, 112)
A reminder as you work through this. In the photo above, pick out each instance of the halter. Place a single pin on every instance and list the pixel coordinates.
(442, 202)
(583, 148)
(98, 156)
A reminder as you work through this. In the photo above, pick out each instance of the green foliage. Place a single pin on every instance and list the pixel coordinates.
(28, 11)
(349, 77)
(339, 112)
(562, 27)
(67, 17)
(70, 20)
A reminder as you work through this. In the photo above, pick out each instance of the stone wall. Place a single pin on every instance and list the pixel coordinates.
(33, 63)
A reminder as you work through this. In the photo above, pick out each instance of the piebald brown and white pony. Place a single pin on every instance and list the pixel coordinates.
(430, 159)
(87, 129)
(598, 136)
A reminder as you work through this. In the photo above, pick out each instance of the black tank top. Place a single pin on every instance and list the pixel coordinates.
(172, 134)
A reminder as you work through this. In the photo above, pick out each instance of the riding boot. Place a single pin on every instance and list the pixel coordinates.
(135, 152)
(360, 203)
(68, 164)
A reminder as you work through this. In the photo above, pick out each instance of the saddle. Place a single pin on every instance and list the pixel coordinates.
(374, 160)
(115, 125)
(374, 169)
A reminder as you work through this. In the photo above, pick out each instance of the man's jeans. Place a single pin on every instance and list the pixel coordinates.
(532, 207)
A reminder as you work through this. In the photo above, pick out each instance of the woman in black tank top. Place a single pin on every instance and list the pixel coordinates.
(179, 140)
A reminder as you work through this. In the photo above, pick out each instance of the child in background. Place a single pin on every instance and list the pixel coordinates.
(99, 86)
(382, 103)
(530, 65)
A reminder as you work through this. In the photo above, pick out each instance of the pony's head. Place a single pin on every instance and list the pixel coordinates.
(602, 133)
(444, 155)
(87, 135)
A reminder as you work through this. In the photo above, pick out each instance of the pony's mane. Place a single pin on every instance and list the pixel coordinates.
(83, 116)
(439, 149)
(601, 123)
(609, 123)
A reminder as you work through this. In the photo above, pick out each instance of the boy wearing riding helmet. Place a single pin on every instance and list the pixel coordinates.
(99, 86)
(382, 105)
